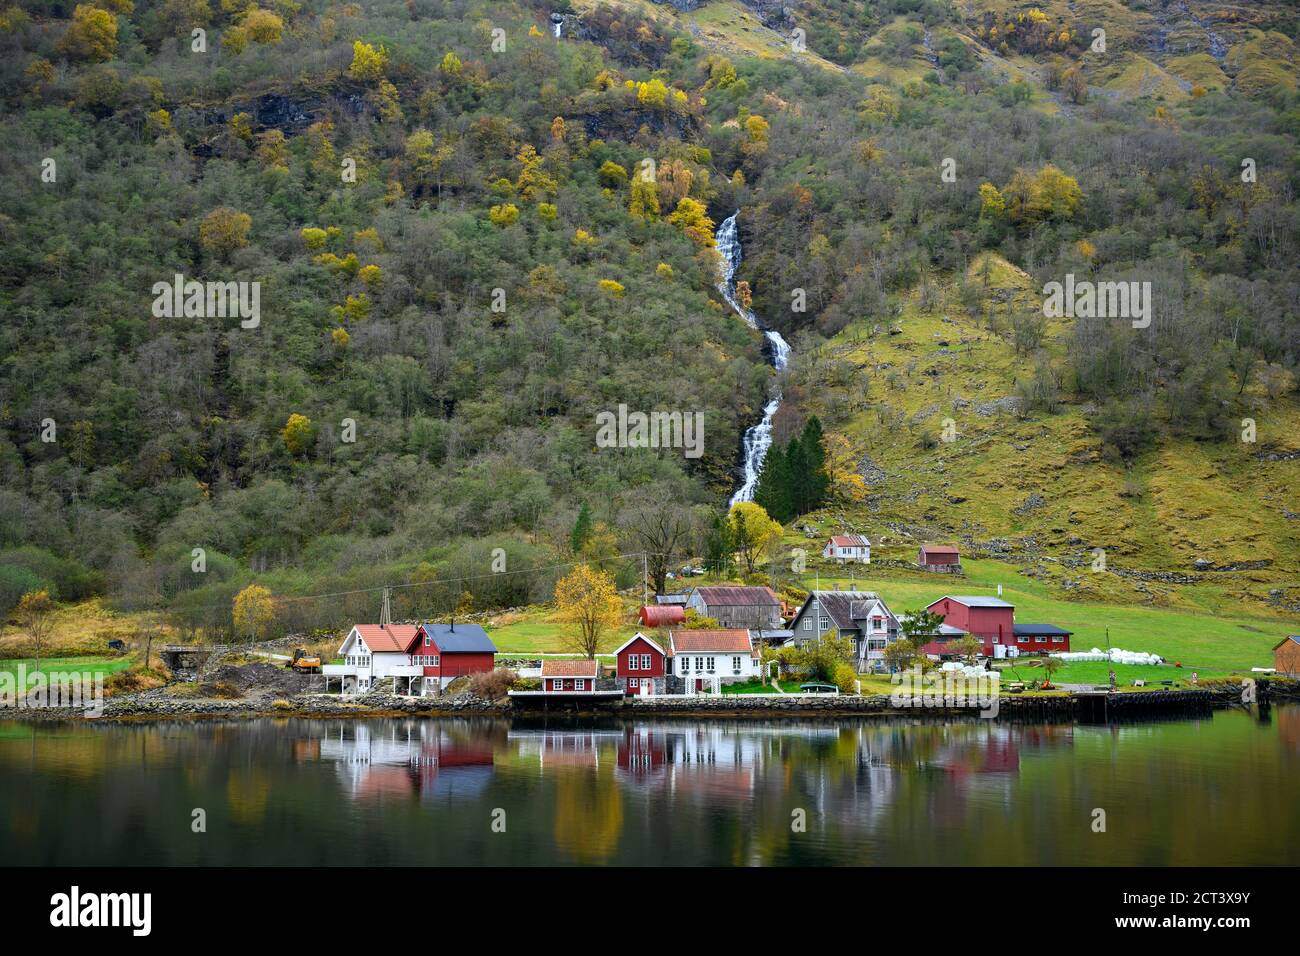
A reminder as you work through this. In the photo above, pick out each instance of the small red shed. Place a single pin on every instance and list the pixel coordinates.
(662, 615)
(565, 676)
(640, 663)
(939, 554)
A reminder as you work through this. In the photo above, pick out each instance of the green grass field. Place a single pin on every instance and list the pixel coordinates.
(76, 665)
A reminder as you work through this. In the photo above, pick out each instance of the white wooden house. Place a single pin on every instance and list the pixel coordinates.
(848, 547)
(373, 652)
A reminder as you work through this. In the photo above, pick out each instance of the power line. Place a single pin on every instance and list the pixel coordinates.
(420, 584)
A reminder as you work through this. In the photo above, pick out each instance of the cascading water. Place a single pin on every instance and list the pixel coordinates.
(758, 438)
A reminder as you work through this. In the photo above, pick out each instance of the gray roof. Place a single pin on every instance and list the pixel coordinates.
(846, 608)
(737, 596)
(460, 638)
(977, 600)
(679, 597)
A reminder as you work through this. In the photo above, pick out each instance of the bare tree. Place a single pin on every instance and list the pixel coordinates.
(662, 525)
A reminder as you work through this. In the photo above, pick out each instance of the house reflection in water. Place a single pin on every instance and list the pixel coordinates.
(561, 749)
(406, 760)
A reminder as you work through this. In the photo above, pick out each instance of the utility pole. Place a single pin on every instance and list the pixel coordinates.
(645, 580)
(386, 612)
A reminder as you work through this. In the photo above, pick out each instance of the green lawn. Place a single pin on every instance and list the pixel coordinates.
(754, 687)
(1097, 672)
(81, 665)
(535, 633)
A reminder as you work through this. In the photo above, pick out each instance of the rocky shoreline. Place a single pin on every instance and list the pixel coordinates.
(153, 706)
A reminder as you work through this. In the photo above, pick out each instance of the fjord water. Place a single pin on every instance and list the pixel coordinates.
(758, 437)
(1219, 790)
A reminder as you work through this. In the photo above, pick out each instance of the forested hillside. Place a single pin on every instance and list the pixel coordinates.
(472, 236)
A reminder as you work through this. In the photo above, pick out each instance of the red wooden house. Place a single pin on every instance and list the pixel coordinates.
(448, 651)
(988, 618)
(640, 667)
(563, 676)
(992, 620)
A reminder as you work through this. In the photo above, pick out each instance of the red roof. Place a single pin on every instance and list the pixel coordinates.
(663, 615)
(733, 596)
(848, 541)
(564, 668)
(939, 548)
(732, 640)
(388, 638)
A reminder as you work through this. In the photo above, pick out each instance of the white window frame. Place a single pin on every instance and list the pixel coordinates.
(580, 683)
(645, 662)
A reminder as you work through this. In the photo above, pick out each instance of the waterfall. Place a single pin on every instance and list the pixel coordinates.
(758, 438)
(559, 25)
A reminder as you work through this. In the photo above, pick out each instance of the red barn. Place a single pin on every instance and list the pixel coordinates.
(988, 618)
(663, 615)
(448, 651)
(569, 676)
(938, 554)
(641, 663)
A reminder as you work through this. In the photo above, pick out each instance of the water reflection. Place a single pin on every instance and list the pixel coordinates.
(663, 792)
(406, 759)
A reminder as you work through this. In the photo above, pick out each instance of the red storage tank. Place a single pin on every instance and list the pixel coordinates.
(662, 615)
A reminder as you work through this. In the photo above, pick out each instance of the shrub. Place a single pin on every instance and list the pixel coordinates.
(845, 678)
(133, 680)
(493, 684)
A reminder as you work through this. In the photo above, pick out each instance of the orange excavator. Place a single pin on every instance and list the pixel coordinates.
(304, 663)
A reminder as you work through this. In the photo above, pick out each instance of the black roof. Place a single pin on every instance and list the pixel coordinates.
(1033, 630)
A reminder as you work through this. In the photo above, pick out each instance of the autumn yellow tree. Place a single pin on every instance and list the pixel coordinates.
(36, 614)
(643, 198)
(533, 182)
(92, 35)
(263, 26)
(224, 230)
(841, 468)
(753, 533)
(254, 612)
(692, 217)
(588, 604)
(368, 63)
(297, 434)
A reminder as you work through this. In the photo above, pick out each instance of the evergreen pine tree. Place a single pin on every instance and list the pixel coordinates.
(581, 529)
(773, 491)
(796, 480)
(718, 546)
(819, 481)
